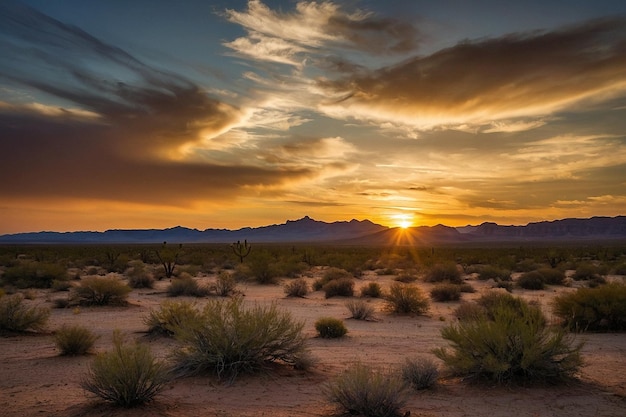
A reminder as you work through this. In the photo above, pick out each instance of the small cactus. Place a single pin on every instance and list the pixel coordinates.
(241, 250)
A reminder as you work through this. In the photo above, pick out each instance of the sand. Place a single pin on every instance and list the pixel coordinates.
(36, 381)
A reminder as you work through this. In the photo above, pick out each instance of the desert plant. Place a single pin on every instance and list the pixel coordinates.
(61, 285)
(372, 289)
(360, 310)
(74, 340)
(170, 316)
(139, 276)
(420, 373)
(444, 272)
(127, 376)
(186, 286)
(17, 317)
(33, 274)
(297, 288)
(101, 291)
(470, 311)
(486, 272)
(405, 278)
(552, 276)
(241, 250)
(361, 390)
(264, 268)
(597, 309)
(531, 281)
(510, 343)
(586, 271)
(330, 327)
(228, 338)
(406, 299)
(343, 287)
(335, 273)
(225, 284)
(446, 292)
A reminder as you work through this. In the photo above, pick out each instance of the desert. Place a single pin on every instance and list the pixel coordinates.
(37, 380)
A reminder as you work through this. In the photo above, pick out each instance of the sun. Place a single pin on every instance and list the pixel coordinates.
(403, 224)
(403, 221)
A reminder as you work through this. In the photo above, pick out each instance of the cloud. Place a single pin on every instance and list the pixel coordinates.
(477, 82)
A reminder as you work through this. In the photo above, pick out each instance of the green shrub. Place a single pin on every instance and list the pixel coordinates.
(74, 340)
(552, 276)
(343, 287)
(595, 309)
(406, 299)
(297, 288)
(186, 286)
(360, 310)
(531, 281)
(330, 327)
(228, 338)
(170, 316)
(335, 273)
(444, 272)
(361, 390)
(510, 343)
(446, 292)
(470, 311)
(32, 274)
(225, 284)
(586, 272)
(420, 373)
(139, 276)
(17, 317)
(127, 376)
(101, 291)
(486, 272)
(372, 289)
(264, 268)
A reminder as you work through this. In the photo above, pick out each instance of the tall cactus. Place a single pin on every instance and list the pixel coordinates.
(241, 250)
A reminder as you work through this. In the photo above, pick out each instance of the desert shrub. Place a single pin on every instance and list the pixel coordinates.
(127, 376)
(420, 373)
(225, 284)
(619, 269)
(330, 327)
(406, 299)
(297, 288)
(405, 278)
(264, 268)
(228, 338)
(492, 300)
(335, 273)
(360, 309)
(343, 287)
(362, 390)
(101, 291)
(61, 285)
(486, 272)
(595, 309)
(470, 311)
(446, 292)
(444, 272)
(74, 340)
(139, 276)
(506, 285)
(466, 287)
(531, 281)
(511, 343)
(186, 286)
(33, 274)
(372, 289)
(170, 316)
(552, 276)
(586, 271)
(17, 317)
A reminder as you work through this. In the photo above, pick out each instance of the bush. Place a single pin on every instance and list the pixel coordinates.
(406, 299)
(32, 274)
(17, 317)
(171, 316)
(446, 292)
(297, 288)
(102, 291)
(128, 376)
(405, 278)
(466, 287)
(586, 272)
(361, 390)
(444, 272)
(139, 276)
(372, 289)
(264, 268)
(228, 338)
(225, 284)
(186, 286)
(335, 273)
(74, 340)
(493, 272)
(60, 285)
(510, 343)
(343, 287)
(552, 276)
(531, 281)
(595, 309)
(330, 327)
(470, 311)
(360, 309)
(420, 373)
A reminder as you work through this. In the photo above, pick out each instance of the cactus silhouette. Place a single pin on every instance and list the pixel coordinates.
(241, 250)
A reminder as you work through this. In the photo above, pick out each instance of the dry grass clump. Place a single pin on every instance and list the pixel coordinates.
(342, 287)
(532, 280)
(15, 316)
(372, 289)
(420, 373)
(170, 316)
(225, 284)
(139, 276)
(360, 310)
(95, 290)
(297, 288)
(446, 272)
(127, 376)
(446, 292)
(330, 328)
(365, 391)
(595, 309)
(406, 299)
(186, 286)
(74, 340)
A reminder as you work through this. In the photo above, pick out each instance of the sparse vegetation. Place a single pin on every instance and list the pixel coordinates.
(531, 281)
(74, 340)
(343, 287)
(16, 316)
(420, 373)
(446, 292)
(225, 284)
(95, 290)
(371, 289)
(447, 272)
(330, 327)
(406, 299)
(170, 316)
(297, 288)
(365, 391)
(33, 274)
(139, 276)
(360, 310)
(186, 286)
(127, 376)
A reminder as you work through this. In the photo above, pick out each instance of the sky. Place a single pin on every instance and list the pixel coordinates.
(227, 114)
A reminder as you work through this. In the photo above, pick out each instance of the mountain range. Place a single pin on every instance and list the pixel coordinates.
(356, 232)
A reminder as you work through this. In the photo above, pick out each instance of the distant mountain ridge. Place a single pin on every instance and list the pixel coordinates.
(358, 232)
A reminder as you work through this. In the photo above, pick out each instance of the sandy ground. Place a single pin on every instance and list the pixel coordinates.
(36, 381)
